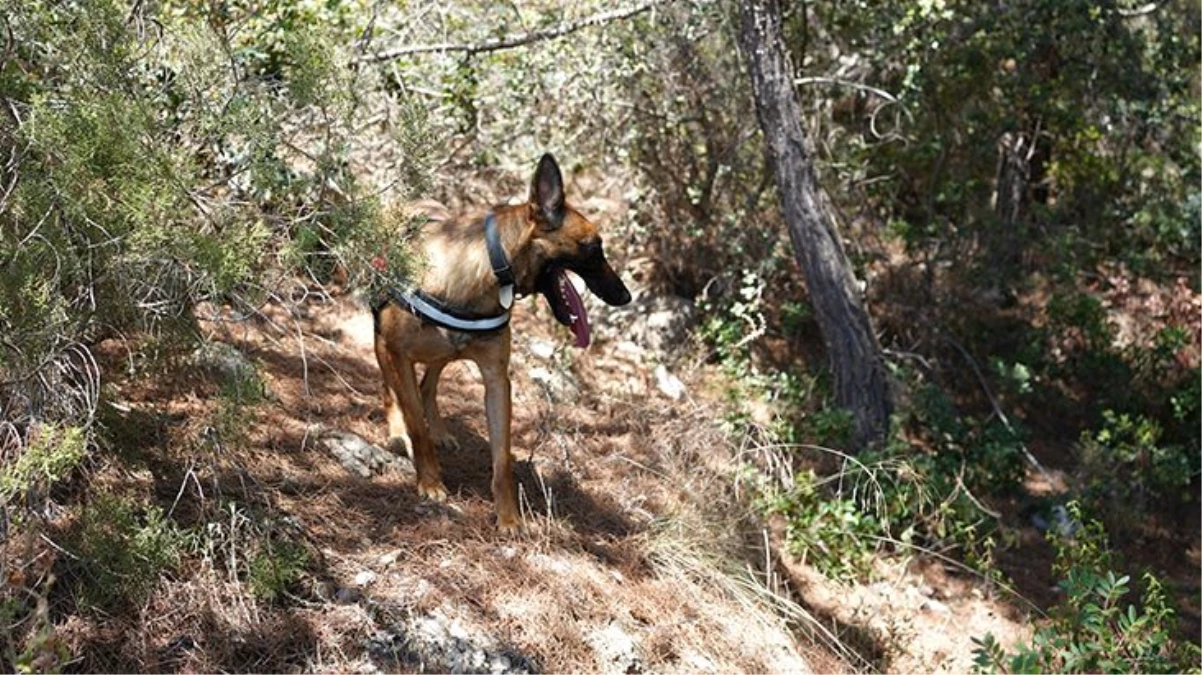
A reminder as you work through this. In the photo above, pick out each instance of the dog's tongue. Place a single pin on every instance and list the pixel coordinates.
(576, 305)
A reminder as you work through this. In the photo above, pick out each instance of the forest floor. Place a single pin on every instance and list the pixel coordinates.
(637, 556)
(640, 553)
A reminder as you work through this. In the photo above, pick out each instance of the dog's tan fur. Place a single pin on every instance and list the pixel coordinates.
(458, 272)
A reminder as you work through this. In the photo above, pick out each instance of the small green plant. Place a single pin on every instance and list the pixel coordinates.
(794, 315)
(49, 458)
(1092, 630)
(275, 568)
(30, 643)
(827, 531)
(934, 473)
(1126, 460)
(123, 549)
(242, 390)
(739, 321)
(923, 488)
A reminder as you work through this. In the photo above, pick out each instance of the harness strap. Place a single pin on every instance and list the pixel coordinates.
(429, 308)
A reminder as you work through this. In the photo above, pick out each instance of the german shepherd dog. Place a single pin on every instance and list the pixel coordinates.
(540, 240)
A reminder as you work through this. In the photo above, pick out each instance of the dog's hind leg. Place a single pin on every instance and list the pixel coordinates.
(398, 433)
(401, 381)
(443, 439)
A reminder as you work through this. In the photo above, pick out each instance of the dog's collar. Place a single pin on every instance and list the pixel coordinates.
(500, 264)
(429, 308)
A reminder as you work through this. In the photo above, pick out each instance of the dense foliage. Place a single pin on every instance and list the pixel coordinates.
(1024, 209)
(156, 160)
(159, 158)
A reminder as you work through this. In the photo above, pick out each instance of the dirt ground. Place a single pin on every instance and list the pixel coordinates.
(638, 555)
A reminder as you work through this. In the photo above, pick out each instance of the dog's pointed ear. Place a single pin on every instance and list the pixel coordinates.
(546, 194)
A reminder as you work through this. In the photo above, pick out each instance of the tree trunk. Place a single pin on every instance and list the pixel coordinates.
(1011, 201)
(861, 386)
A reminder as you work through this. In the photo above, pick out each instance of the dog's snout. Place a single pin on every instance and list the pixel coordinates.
(622, 297)
(607, 285)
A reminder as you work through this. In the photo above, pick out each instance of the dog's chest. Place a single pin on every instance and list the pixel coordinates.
(460, 340)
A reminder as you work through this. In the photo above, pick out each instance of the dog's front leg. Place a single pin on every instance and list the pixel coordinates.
(499, 409)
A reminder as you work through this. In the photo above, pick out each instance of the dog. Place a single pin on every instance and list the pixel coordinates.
(459, 309)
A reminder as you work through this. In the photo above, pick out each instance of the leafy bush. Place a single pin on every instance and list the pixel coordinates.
(122, 550)
(927, 487)
(1092, 631)
(47, 459)
(275, 568)
(1125, 461)
(148, 175)
(831, 533)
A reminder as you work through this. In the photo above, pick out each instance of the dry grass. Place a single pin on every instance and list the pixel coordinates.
(640, 551)
(637, 552)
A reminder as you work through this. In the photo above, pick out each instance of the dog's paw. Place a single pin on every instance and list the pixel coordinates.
(435, 491)
(446, 442)
(509, 527)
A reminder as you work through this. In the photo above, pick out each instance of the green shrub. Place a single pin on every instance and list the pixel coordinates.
(829, 532)
(239, 396)
(31, 644)
(51, 457)
(1092, 630)
(275, 568)
(927, 487)
(151, 175)
(1126, 461)
(122, 550)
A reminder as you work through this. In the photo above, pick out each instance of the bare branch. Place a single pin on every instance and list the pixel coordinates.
(1138, 11)
(518, 40)
(846, 83)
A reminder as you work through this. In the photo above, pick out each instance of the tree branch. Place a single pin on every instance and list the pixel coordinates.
(846, 83)
(511, 41)
(1138, 11)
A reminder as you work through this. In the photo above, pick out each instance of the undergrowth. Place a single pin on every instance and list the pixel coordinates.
(1098, 627)
(122, 549)
(930, 487)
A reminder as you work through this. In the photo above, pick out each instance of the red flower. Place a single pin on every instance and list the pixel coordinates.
(379, 263)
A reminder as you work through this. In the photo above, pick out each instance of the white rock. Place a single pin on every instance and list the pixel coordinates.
(543, 349)
(668, 383)
(935, 607)
(616, 649)
(364, 578)
(629, 348)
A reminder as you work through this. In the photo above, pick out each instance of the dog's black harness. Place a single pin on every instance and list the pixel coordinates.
(432, 310)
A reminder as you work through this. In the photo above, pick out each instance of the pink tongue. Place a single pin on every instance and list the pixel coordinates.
(580, 323)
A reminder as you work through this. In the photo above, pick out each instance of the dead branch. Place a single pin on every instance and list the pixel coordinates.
(511, 41)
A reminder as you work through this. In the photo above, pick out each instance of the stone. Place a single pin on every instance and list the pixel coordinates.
(542, 349)
(669, 384)
(359, 457)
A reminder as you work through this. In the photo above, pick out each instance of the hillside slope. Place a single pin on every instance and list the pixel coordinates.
(641, 552)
